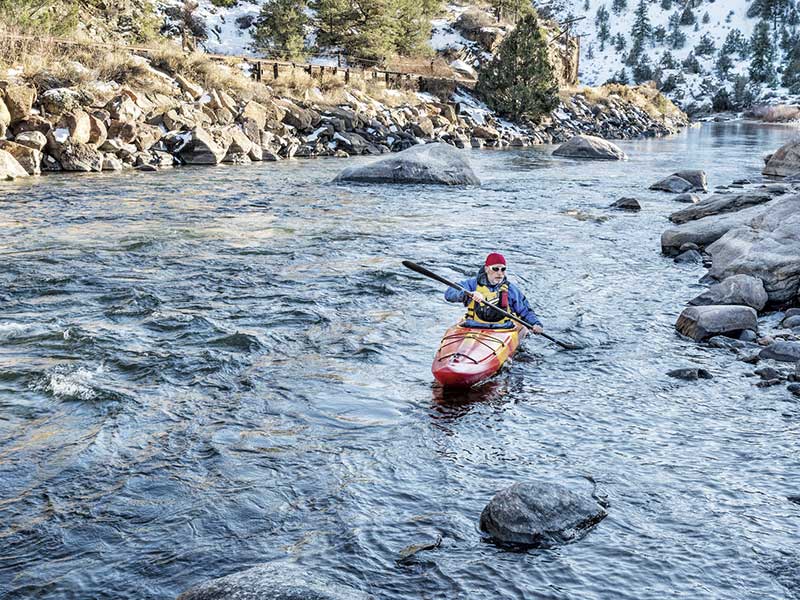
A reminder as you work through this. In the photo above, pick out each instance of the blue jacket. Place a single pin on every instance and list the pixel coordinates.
(516, 299)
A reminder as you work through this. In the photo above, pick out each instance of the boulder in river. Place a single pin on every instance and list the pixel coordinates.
(631, 204)
(687, 198)
(428, 163)
(539, 514)
(782, 351)
(718, 204)
(673, 184)
(696, 177)
(690, 374)
(785, 161)
(737, 289)
(703, 322)
(272, 581)
(10, 167)
(591, 147)
(767, 248)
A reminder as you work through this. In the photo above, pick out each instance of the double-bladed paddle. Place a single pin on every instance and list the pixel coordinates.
(423, 271)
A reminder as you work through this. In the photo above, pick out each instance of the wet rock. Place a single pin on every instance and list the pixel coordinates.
(272, 581)
(716, 204)
(728, 343)
(782, 351)
(539, 514)
(696, 177)
(703, 322)
(748, 335)
(794, 388)
(352, 143)
(737, 289)
(769, 383)
(785, 161)
(111, 163)
(673, 184)
(590, 147)
(631, 204)
(428, 163)
(768, 373)
(690, 374)
(689, 257)
(791, 322)
(687, 198)
(689, 246)
(10, 168)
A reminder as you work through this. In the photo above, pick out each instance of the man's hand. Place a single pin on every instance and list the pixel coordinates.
(537, 329)
(477, 296)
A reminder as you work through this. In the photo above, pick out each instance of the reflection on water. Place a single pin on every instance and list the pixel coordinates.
(206, 369)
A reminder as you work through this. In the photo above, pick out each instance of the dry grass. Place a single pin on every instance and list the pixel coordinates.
(776, 114)
(433, 66)
(646, 96)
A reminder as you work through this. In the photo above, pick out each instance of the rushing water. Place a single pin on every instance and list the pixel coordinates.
(202, 370)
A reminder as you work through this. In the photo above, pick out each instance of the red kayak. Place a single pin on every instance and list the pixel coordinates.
(468, 355)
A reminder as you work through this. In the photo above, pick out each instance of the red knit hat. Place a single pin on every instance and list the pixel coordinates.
(494, 259)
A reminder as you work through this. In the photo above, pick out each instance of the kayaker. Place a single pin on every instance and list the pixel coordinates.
(491, 285)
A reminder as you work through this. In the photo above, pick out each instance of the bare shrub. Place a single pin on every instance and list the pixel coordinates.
(776, 114)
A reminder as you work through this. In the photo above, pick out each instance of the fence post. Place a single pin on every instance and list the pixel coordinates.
(274, 70)
(347, 76)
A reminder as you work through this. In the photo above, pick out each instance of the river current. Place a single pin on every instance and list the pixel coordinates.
(206, 369)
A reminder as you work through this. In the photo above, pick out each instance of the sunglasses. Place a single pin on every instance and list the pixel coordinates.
(499, 269)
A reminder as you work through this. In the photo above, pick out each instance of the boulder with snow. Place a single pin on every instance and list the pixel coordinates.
(426, 163)
(590, 147)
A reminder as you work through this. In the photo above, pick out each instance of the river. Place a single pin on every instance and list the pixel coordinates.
(205, 369)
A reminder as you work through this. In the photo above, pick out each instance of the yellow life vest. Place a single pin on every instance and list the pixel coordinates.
(484, 314)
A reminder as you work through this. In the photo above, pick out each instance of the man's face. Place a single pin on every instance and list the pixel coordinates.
(495, 273)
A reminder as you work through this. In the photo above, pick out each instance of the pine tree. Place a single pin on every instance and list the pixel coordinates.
(791, 72)
(620, 77)
(723, 65)
(601, 21)
(643, 70)
(676, 38)
(743, 95)
(617, 6)
(736, 43)
(280, 28)
(666, 4)
(519, 82)
(586, 6)
(706, 18)
(691, 64)
(668, 61)
(687, 15)
(705, 47)
(642, 29)
(762, 69)
(619, 42)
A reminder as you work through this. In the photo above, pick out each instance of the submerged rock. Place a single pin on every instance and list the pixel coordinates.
(631, 204)
(272, 581)
(539, 514)
(687, 198)
(591, 147)
(428, 163)
(782, 351)
(690, 374)
(703, 322)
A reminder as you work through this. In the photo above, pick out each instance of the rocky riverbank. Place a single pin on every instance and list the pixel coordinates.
(748, 236)
(105, 126)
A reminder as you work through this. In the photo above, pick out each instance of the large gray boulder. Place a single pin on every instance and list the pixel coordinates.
(718, 204)
(768, 248)
(785, 161)
(539, 514)
(696, 177)
(200, 147)
(703, 322)
(29, 158)
(673, 184)
(591, 147)
(427, 163)
(272, 581)
(736, 290)
(707, 230)
(782, 351)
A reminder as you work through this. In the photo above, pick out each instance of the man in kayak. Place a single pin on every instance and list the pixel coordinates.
(492, 286)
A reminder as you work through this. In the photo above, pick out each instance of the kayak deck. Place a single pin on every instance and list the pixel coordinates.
(468, 355)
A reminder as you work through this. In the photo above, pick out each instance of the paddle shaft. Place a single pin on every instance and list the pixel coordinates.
(439, 278)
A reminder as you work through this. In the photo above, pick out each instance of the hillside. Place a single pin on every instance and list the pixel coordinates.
(697, 50)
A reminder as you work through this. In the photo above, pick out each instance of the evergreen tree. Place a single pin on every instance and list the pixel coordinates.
(791, 72)
(617, 6)
(676, 38)
(280, 28)
(619, 42)
(643, 70)
(601, 21)
(736, 43)
(586, 6)
(642, 29)
(666, 4)
(705, 47)
(687, 15)
(519, 82)
(743, 95)
(512, 10)
(691, 64)
(620, 77)
(635, 54)
(721, 102)
(723, 65)
(706, 18)
(762, 69)
(660, 34)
